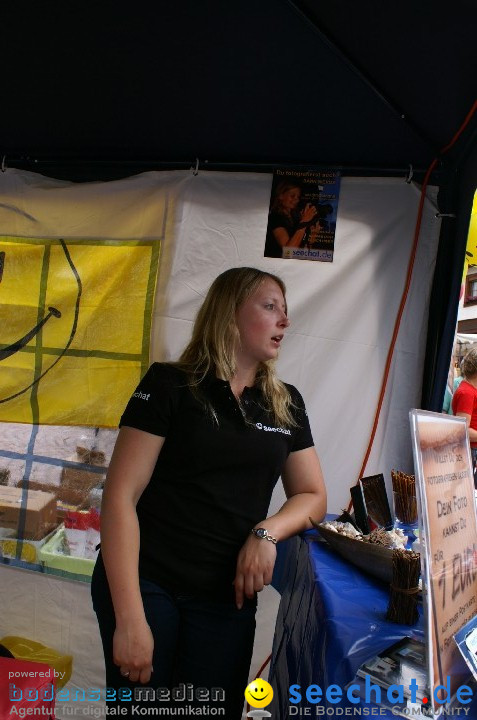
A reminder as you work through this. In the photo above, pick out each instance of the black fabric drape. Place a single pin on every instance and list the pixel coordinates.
(455, 197)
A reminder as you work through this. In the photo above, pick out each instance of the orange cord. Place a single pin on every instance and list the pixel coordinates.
(406, 288)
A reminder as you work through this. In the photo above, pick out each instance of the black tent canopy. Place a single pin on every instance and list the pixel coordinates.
(101, 90)
(367, 85)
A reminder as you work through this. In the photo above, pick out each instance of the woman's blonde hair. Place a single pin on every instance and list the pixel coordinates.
(215, 334)
(469, 364)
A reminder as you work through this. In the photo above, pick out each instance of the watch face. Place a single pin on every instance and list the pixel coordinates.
(261, 532)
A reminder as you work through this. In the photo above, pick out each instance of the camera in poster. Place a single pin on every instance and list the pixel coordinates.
(302, 215)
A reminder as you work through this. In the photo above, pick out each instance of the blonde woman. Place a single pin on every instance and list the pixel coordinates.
(186, 542)
(464, 402)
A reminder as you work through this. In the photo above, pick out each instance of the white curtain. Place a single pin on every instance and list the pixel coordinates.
(342, 313)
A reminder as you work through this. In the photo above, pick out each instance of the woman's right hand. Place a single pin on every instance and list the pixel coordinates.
(308, 213)
(132, 463)
(133, 644)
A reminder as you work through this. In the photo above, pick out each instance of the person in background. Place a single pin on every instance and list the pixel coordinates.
(447, 405)
(287, 225)
(458, 380)
(186, 539)
(464, 402)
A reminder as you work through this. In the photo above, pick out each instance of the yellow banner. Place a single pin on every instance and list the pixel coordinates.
(471, 248)
(75, 323)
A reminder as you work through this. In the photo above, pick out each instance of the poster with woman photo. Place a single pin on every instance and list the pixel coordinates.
(302, 214)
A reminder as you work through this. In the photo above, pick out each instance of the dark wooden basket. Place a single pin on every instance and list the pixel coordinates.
(373, 559)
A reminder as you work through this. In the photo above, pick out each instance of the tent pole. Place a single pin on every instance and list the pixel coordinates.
(455, 198)
(92, 168)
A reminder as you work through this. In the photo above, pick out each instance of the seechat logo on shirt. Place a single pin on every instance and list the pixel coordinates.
(142, 396)
(259, 426)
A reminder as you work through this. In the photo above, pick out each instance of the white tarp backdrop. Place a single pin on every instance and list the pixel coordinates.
(342, 313)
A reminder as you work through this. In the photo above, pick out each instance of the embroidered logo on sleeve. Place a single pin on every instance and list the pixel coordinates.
(142, 396)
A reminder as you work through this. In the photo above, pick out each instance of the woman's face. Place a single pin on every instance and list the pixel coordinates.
(289, 199)
(261, 322)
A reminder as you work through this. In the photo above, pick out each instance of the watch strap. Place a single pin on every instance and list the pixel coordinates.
(263, 534)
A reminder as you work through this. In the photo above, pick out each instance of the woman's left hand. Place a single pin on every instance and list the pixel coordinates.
(255, 564)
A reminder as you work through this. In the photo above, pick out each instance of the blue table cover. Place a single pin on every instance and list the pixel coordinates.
(331, 619)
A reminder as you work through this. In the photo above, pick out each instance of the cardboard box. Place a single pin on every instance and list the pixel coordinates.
(76, 482)
(40, 513)
(74, 489)
(76, 485)
(63, 508)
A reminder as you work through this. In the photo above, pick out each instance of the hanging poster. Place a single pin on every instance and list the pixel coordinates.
(449, 531)
(75, 321)
(302, 214)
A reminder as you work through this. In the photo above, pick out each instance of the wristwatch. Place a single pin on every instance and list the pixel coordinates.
(263, 534)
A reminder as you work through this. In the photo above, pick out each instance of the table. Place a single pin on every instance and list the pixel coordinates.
(331, 619)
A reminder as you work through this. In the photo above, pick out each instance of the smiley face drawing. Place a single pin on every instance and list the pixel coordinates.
(259, 693)
(31, 274)
(75, 320)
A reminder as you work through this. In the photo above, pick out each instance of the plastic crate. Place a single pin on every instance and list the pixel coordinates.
(30, 549)
(52, 557)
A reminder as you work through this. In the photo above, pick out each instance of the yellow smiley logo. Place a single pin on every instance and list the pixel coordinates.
(259, 693)
(35, 313)
(63, 310)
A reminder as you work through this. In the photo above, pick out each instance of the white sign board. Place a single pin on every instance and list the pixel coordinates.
(448, 524)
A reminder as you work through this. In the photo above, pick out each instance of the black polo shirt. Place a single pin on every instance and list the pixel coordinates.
(213, 479)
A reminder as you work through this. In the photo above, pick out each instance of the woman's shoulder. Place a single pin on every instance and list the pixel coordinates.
(165, 372)
(292, 389)
(278, 219)
(465, 388)
(295, 394)
(465, 393)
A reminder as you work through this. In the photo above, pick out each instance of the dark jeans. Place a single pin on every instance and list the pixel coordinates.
(198, 643)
